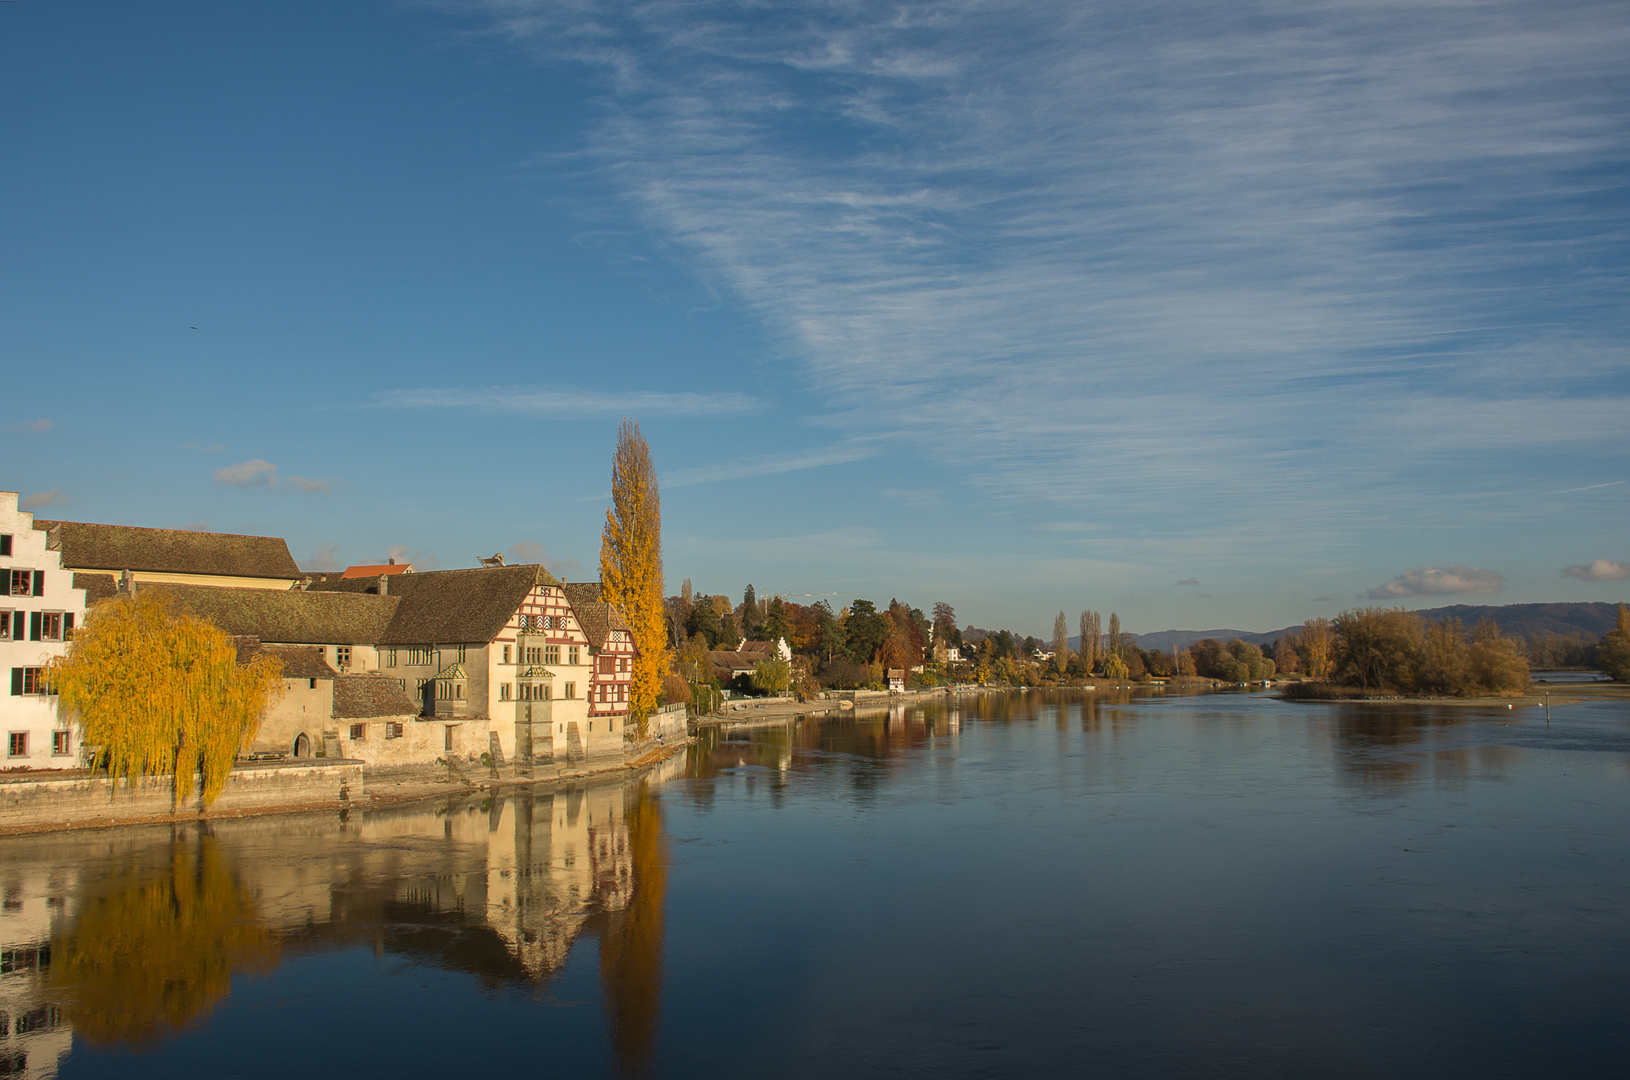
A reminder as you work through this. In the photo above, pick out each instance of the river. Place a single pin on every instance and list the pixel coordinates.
(1037, 884)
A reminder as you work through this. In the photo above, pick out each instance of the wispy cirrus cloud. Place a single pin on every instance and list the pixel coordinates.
(558, 404)
(772, 464)
(1599, 570)
(1439, 581)
(1172, 259)
(42, 424)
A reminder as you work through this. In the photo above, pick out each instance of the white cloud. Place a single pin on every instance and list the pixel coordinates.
(771, 464)
(41, 499)
(255, 472)
(1189, 581)
(322, 557)
(42, 424)
(258, 472)
(566, 404)
(1176, 259)
(1599, 570)
(1436, 581)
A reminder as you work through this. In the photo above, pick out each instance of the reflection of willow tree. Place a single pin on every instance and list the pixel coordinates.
(631, 951)
(154, 949)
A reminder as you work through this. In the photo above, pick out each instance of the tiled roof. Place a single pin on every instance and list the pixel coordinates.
(734, 661)
(363, 696)
(535, 672)
(299, 661)
(86, 546)
(293, 617)
(376, 571)
(595, 616)
(96, 586)
(452, 671)
(449, 607)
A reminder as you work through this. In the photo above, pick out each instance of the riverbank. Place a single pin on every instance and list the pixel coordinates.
(73, 800)
(1538, 695)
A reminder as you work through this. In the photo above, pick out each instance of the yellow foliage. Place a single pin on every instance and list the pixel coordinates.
(160, 693)
(151, 951)
(631, 564)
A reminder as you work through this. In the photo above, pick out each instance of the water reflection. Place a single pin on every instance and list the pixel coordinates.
(127, 938)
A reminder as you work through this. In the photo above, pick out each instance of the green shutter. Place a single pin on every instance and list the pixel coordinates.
(34, 626)
(39, 583)
(68, 626)
(16, 682)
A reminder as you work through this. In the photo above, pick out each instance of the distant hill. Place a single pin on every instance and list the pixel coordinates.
(1525, 620)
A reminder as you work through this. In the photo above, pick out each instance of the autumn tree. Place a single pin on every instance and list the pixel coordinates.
(1061, 642)
(1091, 635)
(1318, 644)
(1613, 652)
(631, 563)
(162, 693)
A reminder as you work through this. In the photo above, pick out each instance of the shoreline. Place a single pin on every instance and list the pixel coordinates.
(402, 785)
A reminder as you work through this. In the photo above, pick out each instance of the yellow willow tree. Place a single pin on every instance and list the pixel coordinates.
(631, 564)
(161, 693)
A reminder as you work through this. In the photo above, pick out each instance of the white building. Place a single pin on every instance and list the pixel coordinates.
(39, 607)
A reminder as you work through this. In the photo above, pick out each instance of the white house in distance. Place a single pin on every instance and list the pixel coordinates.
(38, 611)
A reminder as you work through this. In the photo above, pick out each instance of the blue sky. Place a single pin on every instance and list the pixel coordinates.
(1212, 315)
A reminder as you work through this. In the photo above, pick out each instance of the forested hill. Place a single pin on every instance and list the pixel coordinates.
(1524, 620)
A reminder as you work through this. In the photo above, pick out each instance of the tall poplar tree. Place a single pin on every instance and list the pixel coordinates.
(631, 563)
(1061, 642)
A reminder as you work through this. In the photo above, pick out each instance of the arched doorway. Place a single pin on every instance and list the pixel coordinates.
(302, 745)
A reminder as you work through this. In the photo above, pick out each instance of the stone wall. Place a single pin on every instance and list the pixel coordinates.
(72, 798)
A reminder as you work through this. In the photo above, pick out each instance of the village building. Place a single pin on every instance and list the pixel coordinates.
(611, 645)
(39, 609)
(107, 554)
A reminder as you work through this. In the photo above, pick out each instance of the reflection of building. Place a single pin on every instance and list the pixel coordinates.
(501, 889)
(33, 1033)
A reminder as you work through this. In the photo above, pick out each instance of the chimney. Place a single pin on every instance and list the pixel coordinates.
(385, 585)
(392, 562)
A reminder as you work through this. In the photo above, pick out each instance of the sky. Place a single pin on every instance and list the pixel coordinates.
(1210, 315)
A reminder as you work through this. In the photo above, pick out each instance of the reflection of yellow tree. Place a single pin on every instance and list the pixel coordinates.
(631, 952)
(156, 949)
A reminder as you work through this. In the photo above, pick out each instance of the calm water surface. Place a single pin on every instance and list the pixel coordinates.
(1032, 885)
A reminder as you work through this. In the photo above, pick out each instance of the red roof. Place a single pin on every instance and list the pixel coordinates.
(375, 571)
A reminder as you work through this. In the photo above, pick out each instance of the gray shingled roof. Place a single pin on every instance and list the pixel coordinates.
(367, 695)
(96, 586)
(447, 607)
(86, 546)
(292, 617)
(299, 661)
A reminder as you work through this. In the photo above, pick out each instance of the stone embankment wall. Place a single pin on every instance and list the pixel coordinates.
(77, 798)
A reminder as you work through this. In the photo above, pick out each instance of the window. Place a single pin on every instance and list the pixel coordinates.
(390, 657)
(503, 691)
(571, 690)
(572, 655)
(6, 623)
(393, 730)
(5, 543)
(27, 680)
(461, 654)
(506, 654)
(61, 743)
(447, 738)
(418, 655)
(551, 654)
(607, 664)
(18, 744)
(342, 655)
(22, 582)
(359, 732)
(311, 684)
